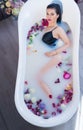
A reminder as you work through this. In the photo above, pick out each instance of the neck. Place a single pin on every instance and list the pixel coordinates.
(52, 25)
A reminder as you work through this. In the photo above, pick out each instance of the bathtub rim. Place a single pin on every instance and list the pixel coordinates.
(21, 72)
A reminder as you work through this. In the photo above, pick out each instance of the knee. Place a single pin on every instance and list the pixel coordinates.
(38, 76)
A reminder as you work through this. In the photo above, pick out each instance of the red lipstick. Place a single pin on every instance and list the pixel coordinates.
(49, 19)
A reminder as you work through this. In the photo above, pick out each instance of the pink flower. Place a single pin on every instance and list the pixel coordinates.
(66, 75)
(44, 22)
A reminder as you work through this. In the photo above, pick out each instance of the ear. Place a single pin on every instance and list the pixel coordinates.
(57, 16)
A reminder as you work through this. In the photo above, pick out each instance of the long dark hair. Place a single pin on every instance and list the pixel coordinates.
(57, 9)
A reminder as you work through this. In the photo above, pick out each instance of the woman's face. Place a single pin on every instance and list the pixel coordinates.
(51, 16)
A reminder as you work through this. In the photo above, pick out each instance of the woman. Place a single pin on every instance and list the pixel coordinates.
(53, 32)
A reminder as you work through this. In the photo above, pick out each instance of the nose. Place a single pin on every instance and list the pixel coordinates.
(48, 16)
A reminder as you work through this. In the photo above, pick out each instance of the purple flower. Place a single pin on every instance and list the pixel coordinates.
(42, 106)
(53, 104)
(58, 105)
(53, 113)
(29, 102)
(27, 91)
(57, 81)
(26, 82)
(59, 110)
(64, 51)
(59, 97)
(59, 64)
(29, 106)
(41, 27)
(39, 101)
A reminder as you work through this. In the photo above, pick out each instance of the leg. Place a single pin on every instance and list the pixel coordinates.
(54, 61)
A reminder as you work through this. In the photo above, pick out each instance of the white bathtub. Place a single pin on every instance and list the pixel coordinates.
(71, 15)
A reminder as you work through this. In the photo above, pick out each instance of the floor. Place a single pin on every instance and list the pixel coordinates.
(9, 117)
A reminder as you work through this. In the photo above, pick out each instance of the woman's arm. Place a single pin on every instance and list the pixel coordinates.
(63, 36)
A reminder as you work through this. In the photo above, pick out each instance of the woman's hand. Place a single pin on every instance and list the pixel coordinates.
(52, 53)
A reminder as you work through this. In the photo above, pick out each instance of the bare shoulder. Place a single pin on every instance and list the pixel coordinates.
(60, 29)
(58, 32)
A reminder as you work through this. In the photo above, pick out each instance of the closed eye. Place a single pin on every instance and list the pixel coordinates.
(47, 13)
(52, 14)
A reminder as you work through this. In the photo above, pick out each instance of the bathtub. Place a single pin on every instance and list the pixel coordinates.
(71, 15)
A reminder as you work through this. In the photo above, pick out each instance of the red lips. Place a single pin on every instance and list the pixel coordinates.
(49, 19)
